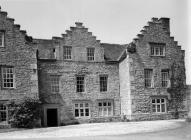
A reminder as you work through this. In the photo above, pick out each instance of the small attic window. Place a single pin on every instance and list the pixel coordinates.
(157, 49)
(2, 38)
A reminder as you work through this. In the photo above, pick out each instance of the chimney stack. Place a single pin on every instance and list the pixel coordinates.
(166, 23)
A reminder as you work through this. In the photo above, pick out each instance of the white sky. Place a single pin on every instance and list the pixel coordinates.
(112, 21)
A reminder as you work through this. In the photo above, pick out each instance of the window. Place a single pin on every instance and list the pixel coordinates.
(103, 83)
(165, 78)
(80, 83)
(157, 49)
(148, 74)
(7, 77)
(67, 53)
(90, 54)
(54, 83)
(105, 108)
(82, 109)
(3, 113)
(159, 105)
(2, 39)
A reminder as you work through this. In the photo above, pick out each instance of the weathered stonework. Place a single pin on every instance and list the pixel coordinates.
(80, 39)
(20, 53)
(157, 31)
(34, 61)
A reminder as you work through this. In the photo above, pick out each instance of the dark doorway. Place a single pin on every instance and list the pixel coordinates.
(52, 117)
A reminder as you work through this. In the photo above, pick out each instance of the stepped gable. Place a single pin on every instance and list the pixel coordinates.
(16, 27)
(163, 21)
(81, 29)
(112, 52)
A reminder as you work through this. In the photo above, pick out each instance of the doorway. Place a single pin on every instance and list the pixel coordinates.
(52, 117)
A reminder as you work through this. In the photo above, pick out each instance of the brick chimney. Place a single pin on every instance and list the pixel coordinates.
(166, 23)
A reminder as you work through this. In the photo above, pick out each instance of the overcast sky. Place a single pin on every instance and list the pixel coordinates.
(112, 21)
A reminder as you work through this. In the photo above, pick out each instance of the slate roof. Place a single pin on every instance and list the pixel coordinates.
(45, 48)
(113, 52)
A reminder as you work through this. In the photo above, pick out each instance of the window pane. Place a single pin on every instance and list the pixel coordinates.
(109, 111)
(76, 113)
(148, 74)
(90, 54)
(163, 107)
(86, 112)
(158, 100)
(82, 112)
(80, 83)
(7, 77)
(158, 108)
(100, 112)
(67, 52)
(153, 100)
(103, 83)
(153, 108)
(100, 104)
(54, 83)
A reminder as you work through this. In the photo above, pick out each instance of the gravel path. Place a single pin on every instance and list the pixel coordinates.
(94, 129)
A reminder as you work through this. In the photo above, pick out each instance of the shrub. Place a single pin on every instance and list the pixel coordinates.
(25, 114)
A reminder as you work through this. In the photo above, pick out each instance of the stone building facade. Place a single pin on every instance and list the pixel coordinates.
(88, 84)
(18, 65)
(146, 71)
(79, 79)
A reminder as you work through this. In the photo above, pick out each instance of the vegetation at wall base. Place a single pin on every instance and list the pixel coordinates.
(25, 114)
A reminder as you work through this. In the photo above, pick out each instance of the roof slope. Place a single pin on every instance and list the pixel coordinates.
(112, 52)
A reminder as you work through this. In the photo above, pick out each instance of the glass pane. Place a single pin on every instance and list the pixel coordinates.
(104, 104)
(100, 104)
(158, 108)
(109, 111)
(153, 108)
(105, 112)
(109, 103)
(86, 105)
(158, 100)
(76, 105)
(76, 113)
(153, 100)
(81, 105)
(86, 112)
(163, 107)
(82, 112)
(100, 112)
(162, 100)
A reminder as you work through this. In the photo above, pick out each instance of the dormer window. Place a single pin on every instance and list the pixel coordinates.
(90, 54)
(2, 39)
(157, 49)
(67, 52)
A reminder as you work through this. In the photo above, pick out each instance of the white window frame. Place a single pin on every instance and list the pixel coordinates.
(165, 79)
(157, 49)
(83, 108)
(157, 104)
(148, 78)
(105, 108)
(90, 54)
(54, 84)
(2, 38)
(103, 83)
(3, 109)
(67, 53)
(80, 84)
(8, 76)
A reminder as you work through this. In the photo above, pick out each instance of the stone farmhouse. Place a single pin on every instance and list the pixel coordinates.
(79, 78)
